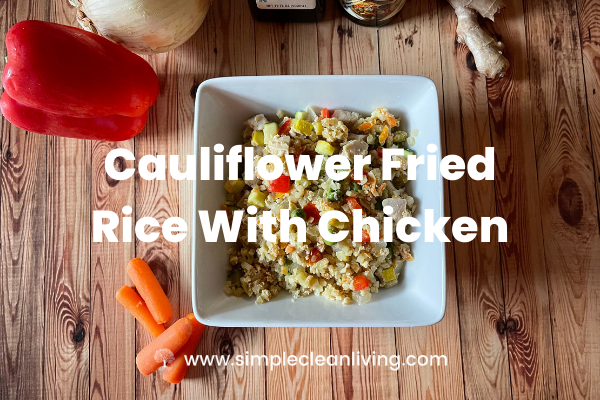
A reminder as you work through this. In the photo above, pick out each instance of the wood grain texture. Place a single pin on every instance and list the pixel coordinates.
(345, 48)
(589, 28)
(67, 276)
(22, 240)
(364, 382)
(286, 49)
(214, 52)
(159, 199)
(410, 45)
(478, 271)
(112, 328)
(527, 325)
(567, 193)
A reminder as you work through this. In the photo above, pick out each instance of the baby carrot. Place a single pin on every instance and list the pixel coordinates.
(175, 371)
(148, 287)
(136, 306)
(163, 348)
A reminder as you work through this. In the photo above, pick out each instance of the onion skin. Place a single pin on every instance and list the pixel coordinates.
(144, 26)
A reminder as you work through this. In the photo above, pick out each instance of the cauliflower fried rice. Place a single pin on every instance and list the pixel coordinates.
(345, 271)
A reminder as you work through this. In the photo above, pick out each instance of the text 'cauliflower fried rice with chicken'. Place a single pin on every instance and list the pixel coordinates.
(345, 271)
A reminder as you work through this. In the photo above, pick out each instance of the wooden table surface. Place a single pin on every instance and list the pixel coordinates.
(522, 317)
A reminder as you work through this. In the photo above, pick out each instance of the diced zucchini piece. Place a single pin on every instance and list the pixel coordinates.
(301, 115)
(258, 138)
(270, 131)
(324, 148)
(257, 198)
(235, 186)
(408, 152)
(388, 274)
(303, 126)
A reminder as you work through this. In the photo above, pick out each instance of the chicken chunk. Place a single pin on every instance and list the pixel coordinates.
(354, 148)
(257, 122)
(398, 207)
(347, 117)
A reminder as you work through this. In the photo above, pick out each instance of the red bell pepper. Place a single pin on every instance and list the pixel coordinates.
(280, 185)
(315, 256)
(113, 127)
(312, 211)
(285, 128)
(64, 81)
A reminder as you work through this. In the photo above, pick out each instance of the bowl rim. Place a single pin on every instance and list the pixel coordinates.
(285, 323)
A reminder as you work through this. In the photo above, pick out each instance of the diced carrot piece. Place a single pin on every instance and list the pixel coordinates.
(360, 282)
(148, 287)
(324, 113)
(136, 306)
(353, 203)
(365, 125)
(163, 349)
(384, 134)
(365, 236)
(175, 371)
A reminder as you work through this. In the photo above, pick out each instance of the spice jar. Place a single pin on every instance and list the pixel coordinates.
(372, 12)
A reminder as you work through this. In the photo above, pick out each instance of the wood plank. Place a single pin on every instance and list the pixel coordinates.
(411, 45)
(567, 193)
(224, 45)
(290, 49)
(159, 199)
(589, 28)
(478, 273)
(67, 276)
(528, 326)
(112, 328)
(22, 240)
(347, 48)
(286, 49)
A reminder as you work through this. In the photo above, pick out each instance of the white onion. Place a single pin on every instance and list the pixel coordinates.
(143, 26)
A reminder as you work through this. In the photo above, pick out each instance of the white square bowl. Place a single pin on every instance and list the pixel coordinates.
(222, 105)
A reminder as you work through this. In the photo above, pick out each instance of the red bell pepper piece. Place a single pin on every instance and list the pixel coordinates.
(285, 128)
(113, 128)
(312, 211)
(56, 73)
(324, 113)
(315, 256)
(280, 185)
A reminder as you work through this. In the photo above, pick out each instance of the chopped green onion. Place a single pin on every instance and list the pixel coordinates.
(288, 261)
(355, 186)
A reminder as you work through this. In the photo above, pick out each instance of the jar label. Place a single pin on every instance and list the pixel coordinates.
(373, 10)
(286, 4)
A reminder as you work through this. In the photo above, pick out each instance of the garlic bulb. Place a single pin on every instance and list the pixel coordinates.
(143, 26)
